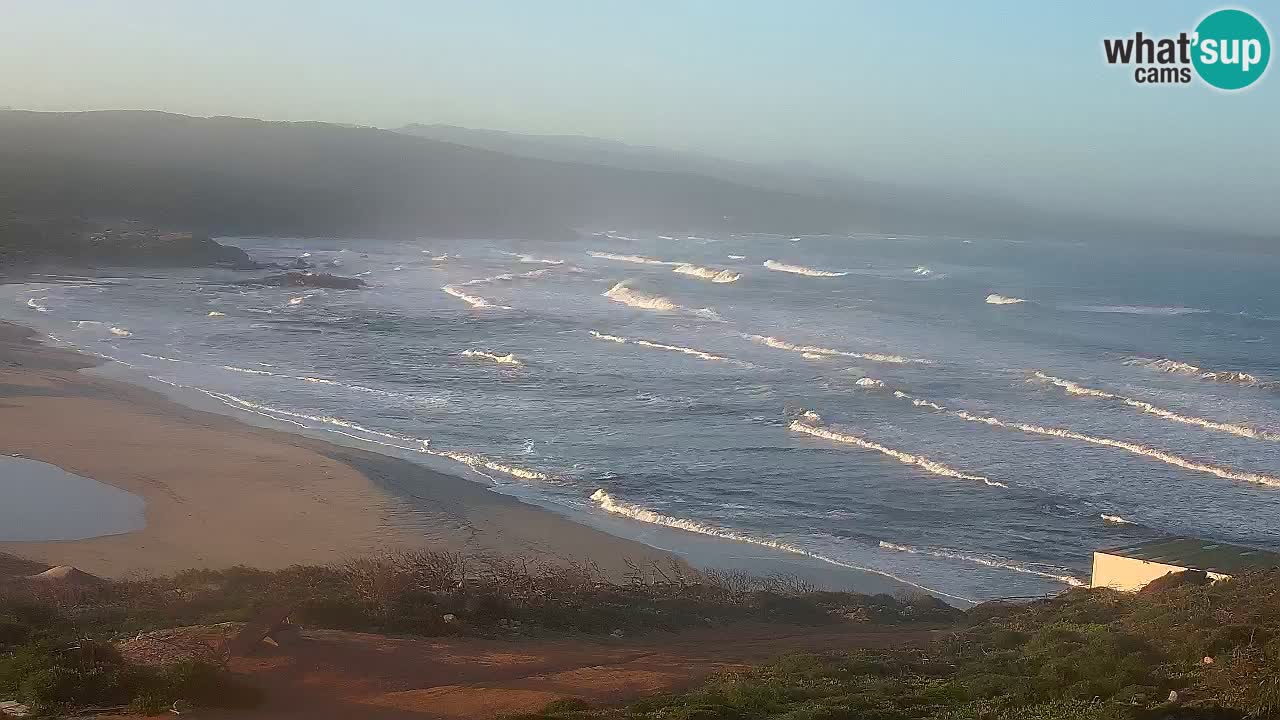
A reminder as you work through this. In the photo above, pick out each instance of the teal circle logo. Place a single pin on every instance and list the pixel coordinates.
(1232, 49)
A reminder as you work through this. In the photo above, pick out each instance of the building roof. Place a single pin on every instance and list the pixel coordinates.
(1197, 554)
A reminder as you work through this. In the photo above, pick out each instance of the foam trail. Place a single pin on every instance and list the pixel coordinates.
(998, 299)
(992, 563)
(35, 304)
(801, 270)
(474, 301)
(620, 293)
(1116, 520)
(637, 259)
(248, 371)
(1130, 447)
(1146, 407)
(508, 359)
(809, 427)
(776, 343)
(608, 504)
(712, 274)
(161, 357)
(700, 354)
(119, 331)
(1181, 368)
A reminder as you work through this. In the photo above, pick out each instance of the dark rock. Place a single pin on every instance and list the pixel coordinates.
(308, 279)
(85, 243)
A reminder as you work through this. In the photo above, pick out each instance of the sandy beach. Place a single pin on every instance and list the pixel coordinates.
(221, 493)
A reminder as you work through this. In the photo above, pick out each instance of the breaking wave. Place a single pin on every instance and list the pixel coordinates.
(161, 357)
(998, 299)
(296, 300)
(712, 274)
(737, 257)
(700, 354)
(808, 350)
(508, 359)
(1116, 520)
(36, 304)
(533, 260)
(801, 270)
(637, 259)
(922, 271)
(119, 331)
(869, 382)
(474, 301)
(1130, 447)
(1166, 365)
(215, 313)
(808, 425)
(608, 504)
(1146, 407)
(989, 562)
(620, 293)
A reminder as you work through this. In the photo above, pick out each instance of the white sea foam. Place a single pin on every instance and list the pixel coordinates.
(869, 382)
(248, 371)
(1146, 407)
(737, 257)
(700, 354)
(215, 313)
(1060, 576)
(608, 504)
(87, 323)
(508, 359)
(922, 271)
(620, 293)
(119, 331)
(1176, 367)
(534, 260)
(712, 274)
(998, 299)
(637, 259)
(296, 300)
(779, 344)
(1142, 450)
(474, 301)
(801, 270)
(161, 357)
(1138, 309)
(1115, 520)
(37, 304)
(809, 426)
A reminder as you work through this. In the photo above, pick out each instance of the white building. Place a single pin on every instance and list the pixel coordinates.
(1133, 566)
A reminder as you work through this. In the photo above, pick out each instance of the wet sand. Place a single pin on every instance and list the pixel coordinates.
(219, 492)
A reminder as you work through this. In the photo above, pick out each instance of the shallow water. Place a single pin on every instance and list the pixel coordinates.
(45, 502)
(633, 365)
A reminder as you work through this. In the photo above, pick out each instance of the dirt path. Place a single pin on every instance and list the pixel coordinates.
(343, 675)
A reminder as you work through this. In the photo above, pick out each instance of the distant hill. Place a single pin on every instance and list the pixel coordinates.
(235, 175)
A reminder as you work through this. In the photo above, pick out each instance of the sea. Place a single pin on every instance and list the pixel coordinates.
(972, 416)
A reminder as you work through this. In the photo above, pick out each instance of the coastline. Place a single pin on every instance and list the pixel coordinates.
(219, 492)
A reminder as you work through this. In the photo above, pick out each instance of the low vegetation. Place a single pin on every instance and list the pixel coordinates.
(57, 640)
(1177, 650)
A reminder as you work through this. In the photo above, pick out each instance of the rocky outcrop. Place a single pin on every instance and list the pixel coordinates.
(308, 279)
(92, 244)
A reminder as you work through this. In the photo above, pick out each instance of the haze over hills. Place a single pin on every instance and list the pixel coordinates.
(245, 176)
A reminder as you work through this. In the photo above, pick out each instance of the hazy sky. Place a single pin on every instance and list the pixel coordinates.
(1008, 97)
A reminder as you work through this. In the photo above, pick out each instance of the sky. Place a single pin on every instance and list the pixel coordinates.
(1011, 99)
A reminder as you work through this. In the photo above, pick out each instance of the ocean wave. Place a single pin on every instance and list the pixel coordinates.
(1165, 365)
(637, 259)
(700, 354)
(998, 299)
(533, 260)
(474, 301)
(87, 323)
(1146, 407)
(215, 313)
(869, 382)
(119, 331)
(922, 271)
(737, 257)
(1116, 520)
(1137, 309)
(1061, 577)
(801, 270)
(712, 274)
(778, 344)
(807, 424)
(37, 304)
(296, 300)
(607, 503)
(620, 293)
(1169, 458)
(161, 357)
(508, 359)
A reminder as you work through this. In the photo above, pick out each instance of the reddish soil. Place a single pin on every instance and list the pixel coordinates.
(332, 674)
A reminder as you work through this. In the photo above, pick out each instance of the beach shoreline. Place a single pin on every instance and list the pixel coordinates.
(220, 493)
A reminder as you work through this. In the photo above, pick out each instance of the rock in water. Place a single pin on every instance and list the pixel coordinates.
(308, 279)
